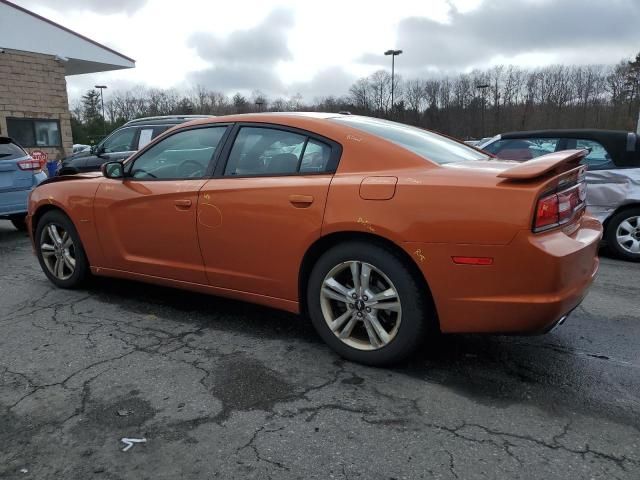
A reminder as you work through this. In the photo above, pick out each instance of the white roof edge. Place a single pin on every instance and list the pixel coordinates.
(79, 53)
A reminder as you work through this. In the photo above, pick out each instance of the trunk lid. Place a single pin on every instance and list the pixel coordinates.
(556, 162)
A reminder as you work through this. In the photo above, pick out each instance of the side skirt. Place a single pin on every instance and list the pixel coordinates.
(278, 303)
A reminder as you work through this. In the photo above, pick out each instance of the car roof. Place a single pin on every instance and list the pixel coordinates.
(165, 120)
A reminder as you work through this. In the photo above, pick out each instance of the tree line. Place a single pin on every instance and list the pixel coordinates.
(468, 105)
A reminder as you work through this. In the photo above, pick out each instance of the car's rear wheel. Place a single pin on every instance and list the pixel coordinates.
(60, 251)
(20, 222)
(623, 234)
(367, 305)
(67, 171)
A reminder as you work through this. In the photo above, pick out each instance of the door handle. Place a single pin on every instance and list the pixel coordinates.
(300, 201)
(182, 203)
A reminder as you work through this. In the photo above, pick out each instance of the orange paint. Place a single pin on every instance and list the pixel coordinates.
(246, 238)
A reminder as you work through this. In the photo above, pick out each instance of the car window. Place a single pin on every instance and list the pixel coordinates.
(120, 141)
(429, 145)
(183, 155)
(598, 158)
(264, 151)
(522, 149)
(161, 129)
(316, 157)
(10, 151)
(146, 134)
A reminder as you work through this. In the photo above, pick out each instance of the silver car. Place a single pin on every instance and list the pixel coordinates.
(613, 176)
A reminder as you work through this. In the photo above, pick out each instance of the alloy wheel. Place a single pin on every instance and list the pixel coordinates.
(361, 305)
(58, 251)
(628, 235)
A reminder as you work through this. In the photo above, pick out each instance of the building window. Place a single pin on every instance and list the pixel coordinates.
(34, 132)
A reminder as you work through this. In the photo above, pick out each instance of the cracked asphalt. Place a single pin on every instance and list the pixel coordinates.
(222, 389)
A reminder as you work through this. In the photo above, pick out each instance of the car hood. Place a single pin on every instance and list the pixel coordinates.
(78, 155)
(77, 176)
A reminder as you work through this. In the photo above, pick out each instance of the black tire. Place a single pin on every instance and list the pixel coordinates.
(417, 314)
(610, 234)
(20, 222)
(81, 271)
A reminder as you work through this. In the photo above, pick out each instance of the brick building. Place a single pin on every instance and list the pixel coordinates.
(36, 56)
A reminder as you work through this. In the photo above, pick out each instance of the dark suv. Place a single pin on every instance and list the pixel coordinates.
(122, 143)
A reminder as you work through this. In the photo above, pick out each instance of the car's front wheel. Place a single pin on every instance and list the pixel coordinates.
(60, 251)
(623, 234)
(367, 305)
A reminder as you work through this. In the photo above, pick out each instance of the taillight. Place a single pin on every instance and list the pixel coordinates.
(546, 212)
(29, 164)
(559, 208)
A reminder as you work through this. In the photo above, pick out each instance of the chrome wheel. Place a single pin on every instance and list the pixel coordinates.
(360, 305)
(628, 235)
(58, 251)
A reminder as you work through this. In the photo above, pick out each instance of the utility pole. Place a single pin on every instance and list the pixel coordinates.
(483, 87)
(393, 54)
(104, 120)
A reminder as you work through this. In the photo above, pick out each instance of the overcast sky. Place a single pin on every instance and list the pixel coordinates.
(317, 48)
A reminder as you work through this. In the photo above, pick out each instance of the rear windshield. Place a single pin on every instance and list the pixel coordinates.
(9, 150)
(429, 145)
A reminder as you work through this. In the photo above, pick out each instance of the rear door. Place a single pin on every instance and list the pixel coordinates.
(16, 168)
(265, 207)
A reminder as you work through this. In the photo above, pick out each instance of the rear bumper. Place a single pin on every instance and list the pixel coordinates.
(533, 282)
(14, 202)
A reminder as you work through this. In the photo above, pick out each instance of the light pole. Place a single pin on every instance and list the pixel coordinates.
(482, 87)
(393, 54)
(104, 120)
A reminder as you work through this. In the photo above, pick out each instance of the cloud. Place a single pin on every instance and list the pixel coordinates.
(264, 44)
(231, 78)
(509, 28)
(246, 59)
(332, 81)
(95, 6)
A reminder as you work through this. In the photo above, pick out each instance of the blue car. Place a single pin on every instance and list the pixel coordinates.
(19, 174)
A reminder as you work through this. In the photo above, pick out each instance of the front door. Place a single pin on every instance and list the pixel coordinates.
(147, 221)
(257, 219)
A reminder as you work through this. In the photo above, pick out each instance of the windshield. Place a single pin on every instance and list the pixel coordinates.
(429, 145)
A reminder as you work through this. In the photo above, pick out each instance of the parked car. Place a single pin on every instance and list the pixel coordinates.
(613, 176)
(379, 231)
(122, 143)
(475, 143)
(19, 174)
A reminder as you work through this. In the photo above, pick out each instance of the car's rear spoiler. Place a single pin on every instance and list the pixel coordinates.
(542, 165)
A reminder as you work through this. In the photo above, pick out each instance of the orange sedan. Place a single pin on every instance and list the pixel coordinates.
(379, 232)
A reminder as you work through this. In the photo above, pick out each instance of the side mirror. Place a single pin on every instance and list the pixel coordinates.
(113, 170)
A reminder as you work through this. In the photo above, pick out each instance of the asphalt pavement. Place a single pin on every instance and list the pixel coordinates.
(224, 389)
